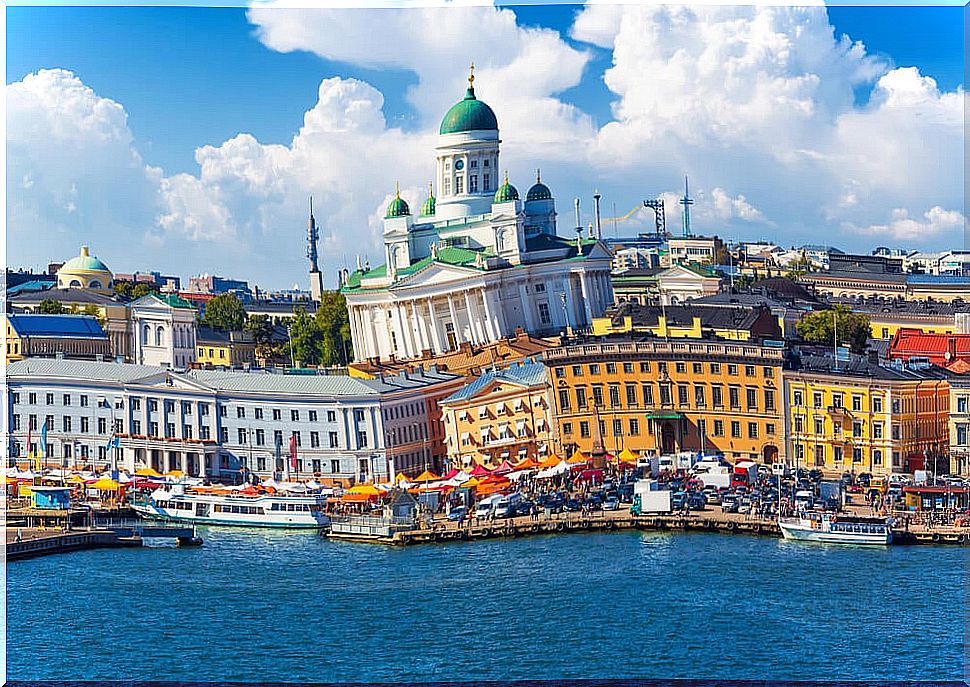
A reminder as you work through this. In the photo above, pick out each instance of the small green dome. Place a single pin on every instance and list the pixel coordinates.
(506, 191)
(470, 114)
(85, 262)
(398, 207)
(539, 190)
(427, 210)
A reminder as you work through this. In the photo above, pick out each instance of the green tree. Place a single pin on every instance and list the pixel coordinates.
(819, 327)
(123, 288)
(306, 338)
(141, 289)
(333, 321)
(224, 312)
(49, 306)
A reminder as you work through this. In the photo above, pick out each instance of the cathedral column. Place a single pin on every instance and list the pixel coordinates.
(438, 347)
(407, 332)
(474, 322)
(526, 308)
(572, 317)
(455, 325)
(422, 342)
(491, 324)
(356, 333)
(501, 324)
(586, 294)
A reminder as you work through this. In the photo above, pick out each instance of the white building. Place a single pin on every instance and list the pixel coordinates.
(163, 331)
(220, 424)
(477, 262)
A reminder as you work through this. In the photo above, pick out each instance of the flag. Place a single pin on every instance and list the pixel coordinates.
(293, 451)
(113, 442)
(28, 440)
(43, 440)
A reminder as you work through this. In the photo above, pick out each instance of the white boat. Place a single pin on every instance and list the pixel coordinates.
(827, 528)
(203, 507)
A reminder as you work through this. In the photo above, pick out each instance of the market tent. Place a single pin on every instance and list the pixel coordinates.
(503, 468)
(76, 478)
(451, 474)
(480, 471)
(426, 476)
(526, 464)
(552, 461)
(365, 490)
(355, 498)
(105, 484)
(401, 477)
(148, 472)
(518, 474)
(558, 469)
(627, 456)
(175, 473)
(577, 458)
(473, 482)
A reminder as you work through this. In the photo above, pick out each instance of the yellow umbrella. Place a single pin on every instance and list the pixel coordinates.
(105, 484)
(628, 456)
(148, 472)
(75, 478)
(426, 476)
(576, 458)
(175, 473)
(473, 482)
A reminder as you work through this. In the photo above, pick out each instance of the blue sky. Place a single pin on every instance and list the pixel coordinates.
(190, 77)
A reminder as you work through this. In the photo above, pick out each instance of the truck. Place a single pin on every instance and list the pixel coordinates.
(713, 471)
(648, 466)
(676, 462)
(487, 505)
(745, 474)
(648, 497)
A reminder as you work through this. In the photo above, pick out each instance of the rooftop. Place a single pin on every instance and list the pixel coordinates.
(74, 326)
(121, 373)
(823, 361)
(526, 374)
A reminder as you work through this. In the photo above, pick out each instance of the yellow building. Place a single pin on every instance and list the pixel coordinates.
(502, 415)
(888, 317)
(215, 348)
(660, 397)
(689, 322)
(863, 417)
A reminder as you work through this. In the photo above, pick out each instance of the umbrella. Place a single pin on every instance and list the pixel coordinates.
(551, 461)
(576, 458)
(148, 472)
(106, 484)
(480, 471)
(527, 464)
(426, 476)
(365, 490)
(627, 456)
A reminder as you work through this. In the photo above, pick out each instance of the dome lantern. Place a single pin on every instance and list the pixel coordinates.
(427, 210)
(539, 190)
(397, 207)
(506, 191)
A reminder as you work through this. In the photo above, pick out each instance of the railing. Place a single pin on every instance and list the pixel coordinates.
(369, 526)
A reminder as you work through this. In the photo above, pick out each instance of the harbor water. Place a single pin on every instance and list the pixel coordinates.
(269, 606)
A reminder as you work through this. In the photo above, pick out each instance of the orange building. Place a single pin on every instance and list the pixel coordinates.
(659, 397)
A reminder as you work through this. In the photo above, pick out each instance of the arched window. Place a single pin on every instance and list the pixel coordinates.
(94, 284)
(177, 337)
(146, 335)
(159, 334)
(75, 284)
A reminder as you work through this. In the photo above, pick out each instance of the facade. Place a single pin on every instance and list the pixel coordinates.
(888, 316)
(673, 285)
(477, 263)
(959, 426)
(691, 321)
(503, 415)
(700, 250)
(863, 417)
(217, 424)
(224, 349)
(939, 349)
(861, 283)
(46, 336)
(163, 331)
(659, 397)
(211, 284)
(85, 272)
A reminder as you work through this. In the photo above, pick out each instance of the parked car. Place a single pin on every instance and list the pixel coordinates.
(593, 502)
(525, 508)
(572, 505)
(458, 513)
(729, 503)
(611, 503)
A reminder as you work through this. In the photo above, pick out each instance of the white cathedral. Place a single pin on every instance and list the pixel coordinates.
(477, 262)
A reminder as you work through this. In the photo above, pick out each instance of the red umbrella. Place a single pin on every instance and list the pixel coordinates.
(480, 471)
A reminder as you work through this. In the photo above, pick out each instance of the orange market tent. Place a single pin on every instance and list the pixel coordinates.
(551, 461)
(527, 464)
(627, 456)
(473, 482)
(401, 477)
(148, 472)
(576, 459)
(355, 498)
(175, 473)
(426, 476)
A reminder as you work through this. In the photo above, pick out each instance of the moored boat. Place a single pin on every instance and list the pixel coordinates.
(827, 528)
(221, 507)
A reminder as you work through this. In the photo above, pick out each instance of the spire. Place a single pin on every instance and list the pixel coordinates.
(506, 176)
(538, 176)
(430, 189)
(471, 75)
(397, 189)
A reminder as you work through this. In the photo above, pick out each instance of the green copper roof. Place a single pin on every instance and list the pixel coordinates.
(85, 262)
(176, 301)
(506, 191)
(397, 208)
(470, 114)
(539, 190)
(427, 210)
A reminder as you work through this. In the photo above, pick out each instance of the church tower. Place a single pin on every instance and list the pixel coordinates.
(316, 277)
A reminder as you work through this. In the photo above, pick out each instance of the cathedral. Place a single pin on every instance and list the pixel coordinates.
(477, 261)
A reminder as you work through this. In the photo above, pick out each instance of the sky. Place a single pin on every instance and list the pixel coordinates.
(188, 140)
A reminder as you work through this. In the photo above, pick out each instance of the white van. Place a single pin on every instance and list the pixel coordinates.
(487, 505)
(505, 506)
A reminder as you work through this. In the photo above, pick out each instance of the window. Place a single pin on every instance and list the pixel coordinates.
(50, 399)
(614, 395)
(797, 398)
(102, 425)
(767, 372)
(631, 395)
(187, 431)
(752, 430)
(819, 426)
(594, 369)
(820, 455)
(314, 440)
(169, 406)
(577, 370)
(299, 439)
(84, 402)
(877, 456)
(749, 371)
(295, 415)
(277, 414)
(769, 399)
(331, 416)
(961, 404)
(715, 368)
(473, 183)
(135, 426)
(856, 455)
(597, 395)
(770, 429)
(312, 415)
(544, 317)
(682, 394)
(204, 432)
(584, 428)
(735, 429)
(85, 427)
(617, 428)
(896, 406)
(564, 399)
(681, 368)
(647, 391)
(877, 429)
(567, 428)
(665, 399)
(628, 368)
(877, 404)
(856, 428)
(67, 399)
(644, 367)
(361, 439)
(856, 402)
(836, 400)
(486, 183)
(240, 412)
(817, 399)
(459, 185)
(896, 432)
(837, 454)
(634, 427)
(719, 428)
(581, 397)
(152, 428)
(734, 395)
(717, 396)
(698, 368)
(32, 398)
(335, 466)
(241, 436)
(611, 368)
(751, 397)
(169, 429)
(260, 437)
(66, 423)
(732, 370)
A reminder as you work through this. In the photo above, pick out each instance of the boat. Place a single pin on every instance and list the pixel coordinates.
(224, 507)
(828, 528)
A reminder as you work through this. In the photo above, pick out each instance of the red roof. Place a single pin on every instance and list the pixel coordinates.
(939, 348)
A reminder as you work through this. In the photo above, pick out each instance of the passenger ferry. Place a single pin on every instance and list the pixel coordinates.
(218, 507)
(828, 528)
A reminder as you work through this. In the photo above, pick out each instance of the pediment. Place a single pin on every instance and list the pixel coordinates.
(436, 274)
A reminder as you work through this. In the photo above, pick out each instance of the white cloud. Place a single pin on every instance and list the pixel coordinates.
(757, 104)
(902, 227)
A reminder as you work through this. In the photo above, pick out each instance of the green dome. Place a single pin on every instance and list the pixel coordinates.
(85, 262)
(427, 210)
(470, 114)
(506, 191)
(398, 207)
(539, 190)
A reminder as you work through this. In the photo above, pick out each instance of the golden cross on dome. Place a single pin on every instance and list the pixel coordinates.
(471, 75)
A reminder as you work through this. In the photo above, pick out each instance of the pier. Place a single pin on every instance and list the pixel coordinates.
(374, 530)
(37, 541)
